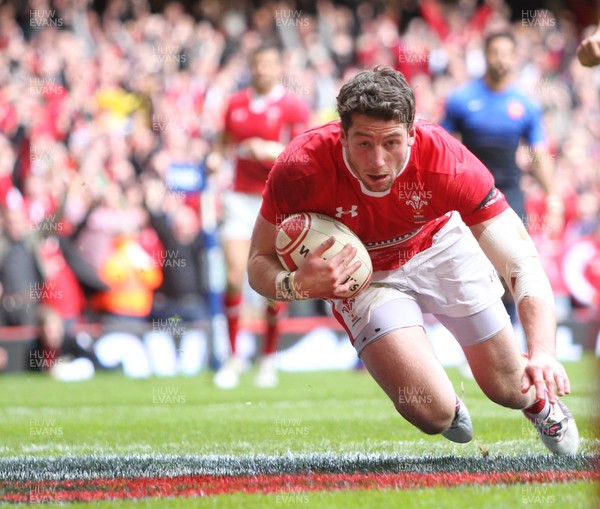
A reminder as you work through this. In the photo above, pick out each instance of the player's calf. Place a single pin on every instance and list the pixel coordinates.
(510, 397)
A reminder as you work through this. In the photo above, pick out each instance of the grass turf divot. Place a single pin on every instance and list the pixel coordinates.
(85, 478)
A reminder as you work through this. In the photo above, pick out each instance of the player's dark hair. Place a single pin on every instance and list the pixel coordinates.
(267, 46)
(380, 93)
(498, 35)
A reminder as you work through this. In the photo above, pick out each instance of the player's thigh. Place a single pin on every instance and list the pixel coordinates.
(240, 211)
(403, 363)
(239, 215)
(235, 252)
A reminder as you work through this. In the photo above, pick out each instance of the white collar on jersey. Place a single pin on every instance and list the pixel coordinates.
(376, 194)
(259, 103)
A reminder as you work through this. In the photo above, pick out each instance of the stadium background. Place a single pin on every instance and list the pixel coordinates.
(102, 101)
(110, 101)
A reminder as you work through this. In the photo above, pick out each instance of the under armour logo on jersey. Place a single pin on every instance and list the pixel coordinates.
(352, 211)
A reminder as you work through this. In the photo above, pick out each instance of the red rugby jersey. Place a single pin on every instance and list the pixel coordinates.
(277, 116)
(441, 176)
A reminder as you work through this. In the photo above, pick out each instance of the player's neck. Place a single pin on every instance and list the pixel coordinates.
(264, 91)
(497, 85)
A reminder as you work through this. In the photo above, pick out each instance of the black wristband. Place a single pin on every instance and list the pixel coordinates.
(287, 286)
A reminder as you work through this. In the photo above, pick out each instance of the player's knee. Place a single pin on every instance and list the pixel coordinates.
(235, 280)
(438, 422)
(430, 419)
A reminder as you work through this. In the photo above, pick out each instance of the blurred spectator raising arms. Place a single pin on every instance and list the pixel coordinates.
(259, 122)
(179, 311)
(183, 288)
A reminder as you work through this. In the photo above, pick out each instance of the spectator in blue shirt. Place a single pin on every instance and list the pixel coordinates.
(492, 117)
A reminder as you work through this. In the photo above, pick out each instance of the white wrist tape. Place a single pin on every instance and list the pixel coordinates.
(514, 255)
(280, 292)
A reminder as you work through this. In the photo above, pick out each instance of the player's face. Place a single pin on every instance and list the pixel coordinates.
(266, 70)
(500, 59)
(377, 150)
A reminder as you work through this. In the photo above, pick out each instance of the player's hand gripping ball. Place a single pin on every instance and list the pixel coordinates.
(300, 233)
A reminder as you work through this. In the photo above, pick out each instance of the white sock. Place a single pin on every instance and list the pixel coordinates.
(543, 413)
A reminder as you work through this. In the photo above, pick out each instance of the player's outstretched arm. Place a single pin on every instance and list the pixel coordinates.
(509, 247)
(315, 279)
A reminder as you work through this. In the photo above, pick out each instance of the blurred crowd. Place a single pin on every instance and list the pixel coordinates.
(107, 116)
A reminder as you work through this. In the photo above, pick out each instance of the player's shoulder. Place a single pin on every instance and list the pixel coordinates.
(435, 150)
(322, 138)
(240, 97)
(290, 97)
(310, 153)
(466, 91)
(294, 106)
(429, 133)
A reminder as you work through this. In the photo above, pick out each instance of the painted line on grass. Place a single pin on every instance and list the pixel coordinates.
(288, 485)
(158, 465)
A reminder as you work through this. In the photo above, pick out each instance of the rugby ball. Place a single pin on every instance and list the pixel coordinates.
(298, 234)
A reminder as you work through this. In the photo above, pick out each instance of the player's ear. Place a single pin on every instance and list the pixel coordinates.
(411, 136)
(343, 138)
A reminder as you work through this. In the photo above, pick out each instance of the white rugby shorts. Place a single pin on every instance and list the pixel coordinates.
(453, 280)
(240, 211)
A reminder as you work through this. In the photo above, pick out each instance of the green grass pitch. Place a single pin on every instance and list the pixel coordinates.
(322, 412)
